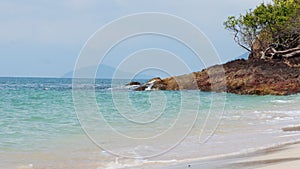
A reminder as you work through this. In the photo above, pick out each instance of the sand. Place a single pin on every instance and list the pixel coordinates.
(281, 157)
(287, 156)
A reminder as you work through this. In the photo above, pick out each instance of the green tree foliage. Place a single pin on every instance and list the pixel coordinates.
(268, 24)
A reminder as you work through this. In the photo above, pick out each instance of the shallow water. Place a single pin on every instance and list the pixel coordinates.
(39, 127)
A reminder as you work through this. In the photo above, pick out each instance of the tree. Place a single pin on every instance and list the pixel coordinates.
(269, 30)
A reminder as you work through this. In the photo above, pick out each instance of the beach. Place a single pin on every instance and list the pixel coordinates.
(286, 156)
(278, 157)
(125, 84)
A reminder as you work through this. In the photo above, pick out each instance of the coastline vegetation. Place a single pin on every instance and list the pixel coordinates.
(270, 30)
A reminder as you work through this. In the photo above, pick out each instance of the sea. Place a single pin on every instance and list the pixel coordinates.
(57, 123)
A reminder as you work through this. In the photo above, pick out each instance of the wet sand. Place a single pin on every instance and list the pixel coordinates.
(285, 156)
(279, 157)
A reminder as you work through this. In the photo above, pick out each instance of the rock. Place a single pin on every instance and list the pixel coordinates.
(141, 88)
(156, 79)
(156, 84)
(133, 83)
(159, 85)
(252, 77)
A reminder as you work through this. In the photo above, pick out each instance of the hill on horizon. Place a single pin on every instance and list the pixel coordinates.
(107, 72)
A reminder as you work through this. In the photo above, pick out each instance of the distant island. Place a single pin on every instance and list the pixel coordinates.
(107, 72)
(271, 35)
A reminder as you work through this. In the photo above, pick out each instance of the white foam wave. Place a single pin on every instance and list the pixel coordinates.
(287, 112)
(124, 87)
(282, 101)
(120, 164)
(149, 87)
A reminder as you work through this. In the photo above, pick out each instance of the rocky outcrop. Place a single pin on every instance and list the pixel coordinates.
(133, 83)
(153, 84)
(255, 77)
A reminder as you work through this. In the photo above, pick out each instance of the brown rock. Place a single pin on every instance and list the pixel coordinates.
(141, 88)
(156, 79)
(133, 83)
(255, 77)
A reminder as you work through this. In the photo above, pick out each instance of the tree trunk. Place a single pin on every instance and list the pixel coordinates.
(292, 54)
(271, 52)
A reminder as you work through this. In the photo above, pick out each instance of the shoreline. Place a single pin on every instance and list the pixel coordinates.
(276, 156)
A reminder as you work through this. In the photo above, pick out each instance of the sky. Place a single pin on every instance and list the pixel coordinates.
(43, 38)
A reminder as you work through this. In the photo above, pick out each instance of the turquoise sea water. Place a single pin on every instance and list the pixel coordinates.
(38, 121)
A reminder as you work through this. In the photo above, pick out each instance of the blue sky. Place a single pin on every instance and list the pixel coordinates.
(43, 38)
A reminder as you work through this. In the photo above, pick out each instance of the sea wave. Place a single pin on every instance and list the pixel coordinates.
(282, 101)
